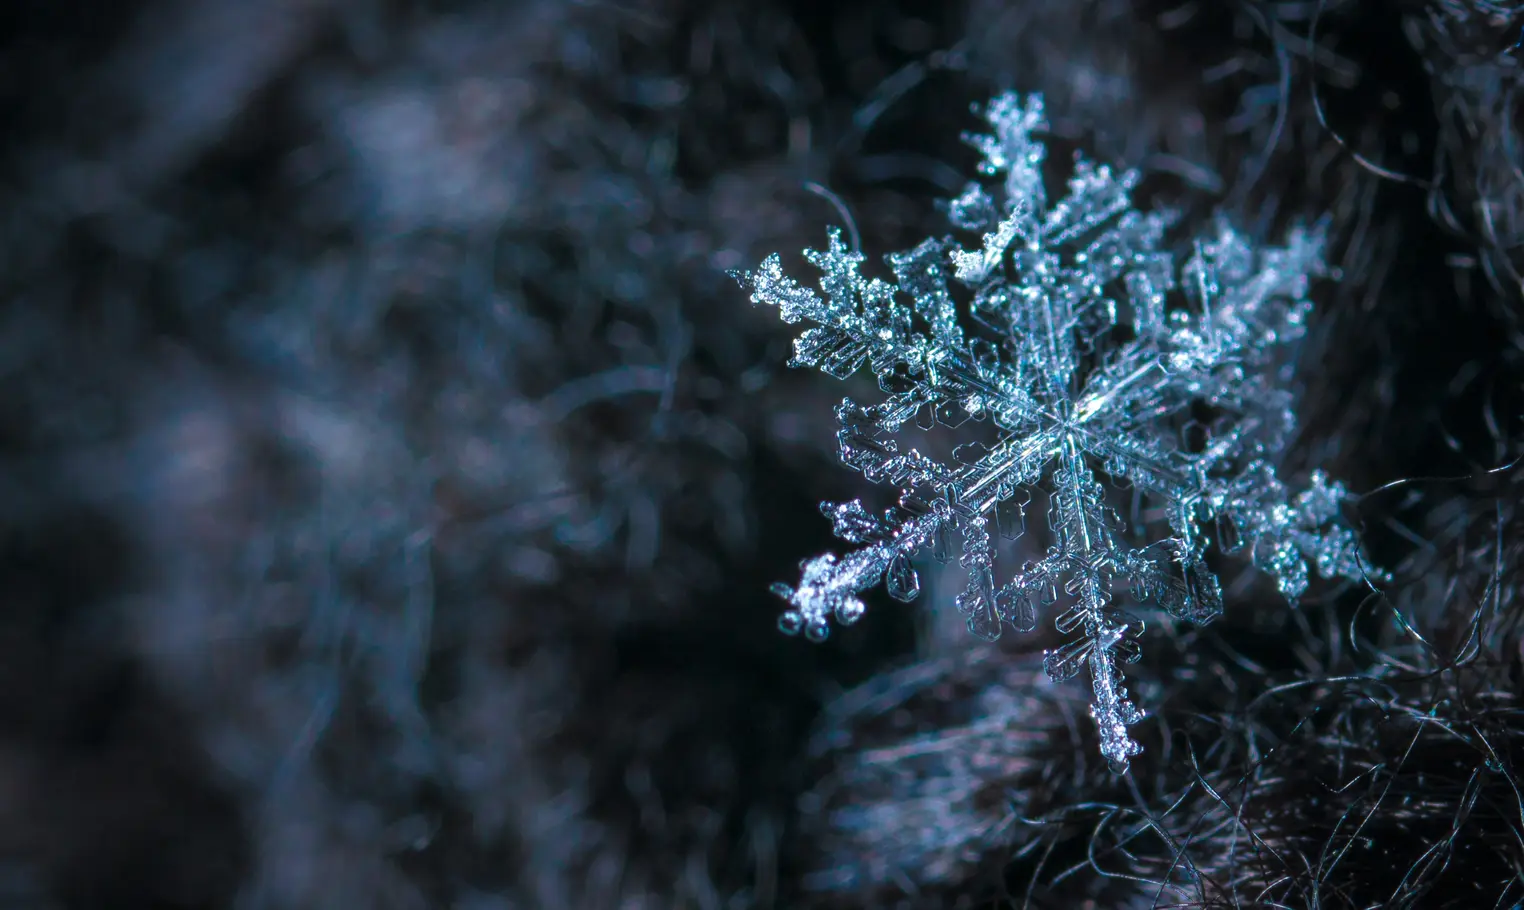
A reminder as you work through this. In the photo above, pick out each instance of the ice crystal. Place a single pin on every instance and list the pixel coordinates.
(1089, 355)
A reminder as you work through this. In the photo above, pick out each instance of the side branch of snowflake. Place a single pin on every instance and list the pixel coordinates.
(1094, 355)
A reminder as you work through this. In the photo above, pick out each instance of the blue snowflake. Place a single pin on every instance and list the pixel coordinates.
(1091, 355)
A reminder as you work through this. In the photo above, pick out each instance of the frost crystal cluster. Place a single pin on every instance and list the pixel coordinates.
(1085, 353)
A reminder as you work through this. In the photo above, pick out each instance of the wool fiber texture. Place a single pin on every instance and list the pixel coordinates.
(391, 477)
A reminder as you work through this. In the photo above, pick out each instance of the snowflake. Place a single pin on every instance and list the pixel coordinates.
(1087, 358)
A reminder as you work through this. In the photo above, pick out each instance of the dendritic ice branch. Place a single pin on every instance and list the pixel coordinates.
(1089, 354)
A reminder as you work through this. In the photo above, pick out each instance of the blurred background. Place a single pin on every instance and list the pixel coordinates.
(391, 476)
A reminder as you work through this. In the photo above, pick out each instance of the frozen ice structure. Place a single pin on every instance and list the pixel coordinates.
(1092, 356)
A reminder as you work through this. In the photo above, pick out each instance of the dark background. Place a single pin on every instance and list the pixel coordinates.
(391, 477)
